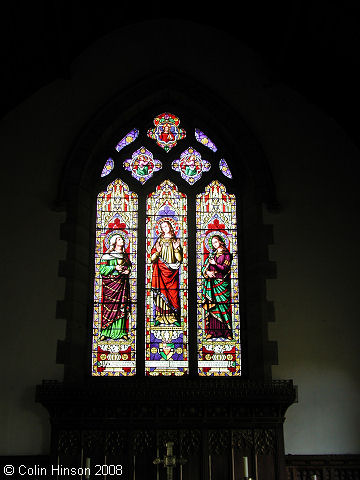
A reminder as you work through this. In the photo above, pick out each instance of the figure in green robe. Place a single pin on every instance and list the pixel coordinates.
(216, 291)
(115, 269)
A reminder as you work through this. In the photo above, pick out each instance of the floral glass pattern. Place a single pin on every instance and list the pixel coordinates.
(166, 345)
(108, 167)
(205, 140)
(224, 168)
(218, 313)
(129, 138)
(114, 317)
(190, 165)
(166, 131)
(142, 164)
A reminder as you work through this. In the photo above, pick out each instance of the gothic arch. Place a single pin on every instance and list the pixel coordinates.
(80, 182)
(131, 420)
(160, 92)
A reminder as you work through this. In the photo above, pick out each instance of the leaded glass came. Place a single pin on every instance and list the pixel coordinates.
(114, 320)
(201, 137)
(142, 165)
(167, 131)
(155, 216)
(217, 283)
(166, 282)
(190, 165)
(108, 167)
(224, 168)
(129, 138)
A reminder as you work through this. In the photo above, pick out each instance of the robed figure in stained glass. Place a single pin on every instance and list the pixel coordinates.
(216, 291)
(165, 133)
(166, 257)
(115, 269)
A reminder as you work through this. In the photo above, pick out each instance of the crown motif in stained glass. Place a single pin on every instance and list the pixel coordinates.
(190, 165)
(205, 140)
(129, 138)
(108, 167)
(142, 164)
(166, 131)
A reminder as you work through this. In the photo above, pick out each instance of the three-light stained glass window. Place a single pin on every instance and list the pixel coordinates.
(147, 229)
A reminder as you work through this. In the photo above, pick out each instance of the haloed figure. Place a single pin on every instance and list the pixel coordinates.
(166, 134)
(190, 166)
(143, 165)
(115, 269)
(166, 257)
(216, 291)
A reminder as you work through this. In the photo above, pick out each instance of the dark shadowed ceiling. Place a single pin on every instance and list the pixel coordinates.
(312, 46)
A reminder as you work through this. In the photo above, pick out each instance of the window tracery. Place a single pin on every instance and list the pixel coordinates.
(202, 138)
(142, 164)
(169, 275)
(190, 165)
(129, 138)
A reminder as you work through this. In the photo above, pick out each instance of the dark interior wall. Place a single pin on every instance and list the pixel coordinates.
(315, 231)
(316, 238)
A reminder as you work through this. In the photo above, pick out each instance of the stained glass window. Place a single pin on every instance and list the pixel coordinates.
(205, 140)
(166, 131)
(218, 312)
(224, 168)
(142, 164)
(164, 236)
(190, 165)
(108, 167)
(129, 138)
(114, 319)
(166, 351)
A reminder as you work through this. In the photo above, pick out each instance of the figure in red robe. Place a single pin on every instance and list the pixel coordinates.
(166, 257)
(166, 134)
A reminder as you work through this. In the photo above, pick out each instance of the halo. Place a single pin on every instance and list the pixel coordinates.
(210, 235)
(119, 233)
(150, 164)
(174, 224)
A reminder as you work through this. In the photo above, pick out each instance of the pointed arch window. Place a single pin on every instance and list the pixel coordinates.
(166, 238)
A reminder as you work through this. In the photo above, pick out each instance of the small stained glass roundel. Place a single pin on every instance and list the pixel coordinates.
(190, 165)
(142, 164)
(166, 132)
